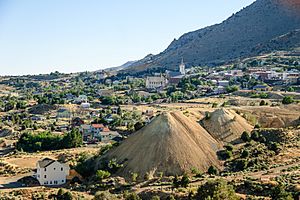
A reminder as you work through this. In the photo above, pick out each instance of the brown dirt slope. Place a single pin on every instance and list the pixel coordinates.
(171, 143)
(225, 125)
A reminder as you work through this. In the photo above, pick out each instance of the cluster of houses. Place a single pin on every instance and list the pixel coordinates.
(98, 133)
(220, 79)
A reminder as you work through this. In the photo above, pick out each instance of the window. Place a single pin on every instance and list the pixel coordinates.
(61, 169)
(45, 176)
(50, 182)
(38, 176)
(54, 168)
(55, 182)
(46, 182)
(62, 181)
(45, 169)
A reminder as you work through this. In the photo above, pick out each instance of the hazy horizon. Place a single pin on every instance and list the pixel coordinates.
(72, 36)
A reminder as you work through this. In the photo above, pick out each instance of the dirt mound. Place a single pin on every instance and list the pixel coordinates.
(272, 117)
(171, 143)
(225, 125)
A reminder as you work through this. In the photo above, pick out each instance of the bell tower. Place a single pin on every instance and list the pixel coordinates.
(182, 67)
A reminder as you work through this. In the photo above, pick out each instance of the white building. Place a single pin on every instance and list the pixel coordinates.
(51, 172)
(154, 82)
(182, 67)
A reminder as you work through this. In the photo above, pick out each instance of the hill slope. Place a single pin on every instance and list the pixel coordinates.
(171, 143)
(239, 36)
(226, 125)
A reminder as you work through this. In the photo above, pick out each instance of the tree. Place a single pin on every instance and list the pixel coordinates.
(185, 180)
(155, 198)
(212, 170)
(72, 139)
(101, 174)
(262, 103)
(105, 195)
(134, 177)
(216, 190)
(255, 135)
(245, 154)
(245, 136)
(279, 193)
(132, 196)
(288, 100)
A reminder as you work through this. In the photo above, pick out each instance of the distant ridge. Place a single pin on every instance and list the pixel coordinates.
(255, 29)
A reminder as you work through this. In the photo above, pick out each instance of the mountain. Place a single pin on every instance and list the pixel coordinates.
(171, 143)
(249, 32)
(122, 67)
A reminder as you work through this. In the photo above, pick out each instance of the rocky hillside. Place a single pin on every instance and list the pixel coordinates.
(264, 26)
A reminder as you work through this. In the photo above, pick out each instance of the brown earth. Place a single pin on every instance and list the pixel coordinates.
(171, 143)
(226, 125)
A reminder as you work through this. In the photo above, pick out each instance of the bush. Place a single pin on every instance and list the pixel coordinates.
(245, 154)
(216, 190)
(155, 198)
(105, 195)
(101, 174)
(185, 180)
(228, 147)
(132, 196)
(262, 103)
(255, 135)
(245, 136)
(257, 126)
(288, 100)
(225, 154)
(212, 170)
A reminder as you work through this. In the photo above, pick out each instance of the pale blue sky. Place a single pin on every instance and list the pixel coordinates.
(40, 36)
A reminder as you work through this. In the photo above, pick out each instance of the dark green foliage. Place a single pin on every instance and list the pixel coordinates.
(228, 147)
(61, 195)
(216, 190)
(240, 164)
(225, 154)
(288, 100)
(245, 136)
(257, 126)
(185, 180)
(279, 193)
(245, 154)
(132, 196)
(255, 135)
(46, 141)
(262, 103)
(138, 126)
(212, 170)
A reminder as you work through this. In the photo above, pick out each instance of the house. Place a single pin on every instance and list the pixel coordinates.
(108, 135)
(51, 172)
(105, 92)
(262, 88)
(76, 122)
(81, 99)
(85, 105)
(155, 82)
(63, 113)
(223, 83)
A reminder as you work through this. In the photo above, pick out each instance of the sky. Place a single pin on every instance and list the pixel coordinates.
(43, 36)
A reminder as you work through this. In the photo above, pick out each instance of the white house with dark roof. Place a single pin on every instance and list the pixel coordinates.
(51, 172)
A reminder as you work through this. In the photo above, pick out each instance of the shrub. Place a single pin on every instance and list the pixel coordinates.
(105, 195)
(216, 190)
(255, 135)
(257, 126)
(155, 198)
(245, 154)
(101, 174)
(132, 196)
(212, 170)
(288, 100)
(225, 154)
(245, 136)
(228, 147)
(185, 180)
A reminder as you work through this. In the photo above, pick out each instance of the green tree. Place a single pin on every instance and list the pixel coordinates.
(212, 170)
(72, 139)
(185, 180)
(288, 100)
(101, 174)
(245, 136)
(216, 190)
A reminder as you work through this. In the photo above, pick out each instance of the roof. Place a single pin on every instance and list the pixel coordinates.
(98, 125)
(105, 129)
(45, 162)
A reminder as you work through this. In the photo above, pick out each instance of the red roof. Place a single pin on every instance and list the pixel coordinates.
(98, 125)
(105, 129)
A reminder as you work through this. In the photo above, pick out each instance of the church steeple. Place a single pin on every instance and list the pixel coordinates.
(182, 67)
